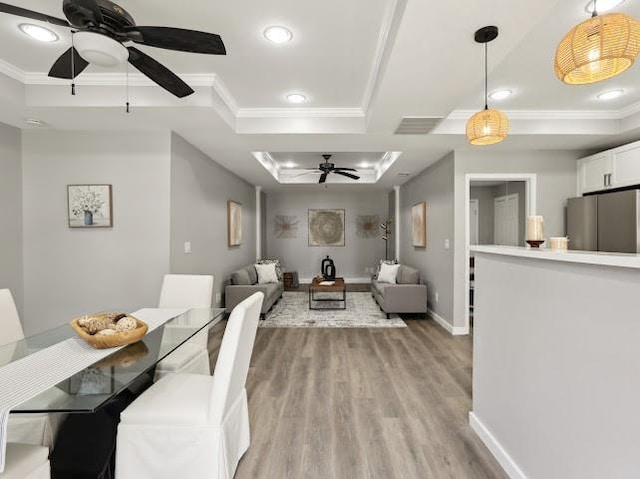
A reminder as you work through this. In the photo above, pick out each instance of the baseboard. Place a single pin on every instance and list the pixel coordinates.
(501, 455)
(365, 280)
(454, 330)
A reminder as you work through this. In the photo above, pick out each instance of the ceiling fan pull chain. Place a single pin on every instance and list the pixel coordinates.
(127, 85)
(73, 65)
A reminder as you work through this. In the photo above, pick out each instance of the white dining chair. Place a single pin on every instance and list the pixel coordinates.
(192, 426)
(185, 291)
(25, 461)
(36, 429)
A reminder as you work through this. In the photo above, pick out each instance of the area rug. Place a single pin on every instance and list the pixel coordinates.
(292, 311)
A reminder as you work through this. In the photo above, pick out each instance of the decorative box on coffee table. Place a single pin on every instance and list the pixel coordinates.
(335, 293)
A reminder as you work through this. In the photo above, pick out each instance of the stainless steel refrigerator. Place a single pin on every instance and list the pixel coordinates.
(605, 222)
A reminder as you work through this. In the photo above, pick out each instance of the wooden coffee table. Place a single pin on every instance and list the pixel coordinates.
(337, 287)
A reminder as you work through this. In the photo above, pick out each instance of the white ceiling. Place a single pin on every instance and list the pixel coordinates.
(363, 64)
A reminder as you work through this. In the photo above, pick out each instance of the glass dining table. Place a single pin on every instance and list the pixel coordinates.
(88, 390)
(94, 397)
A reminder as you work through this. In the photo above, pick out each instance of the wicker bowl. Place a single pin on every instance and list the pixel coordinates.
(120, 338)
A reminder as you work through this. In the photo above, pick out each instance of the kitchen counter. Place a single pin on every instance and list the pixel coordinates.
(556, 354)
(621, 260)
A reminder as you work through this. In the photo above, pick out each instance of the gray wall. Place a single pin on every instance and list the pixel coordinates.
(297, 255)
(435, 187)
(556, 384)
(11, 213)
(200, 189)
(67, 271)
(556, 182)
(486, 195)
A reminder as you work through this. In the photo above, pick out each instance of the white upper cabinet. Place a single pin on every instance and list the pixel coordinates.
(626, 165)
(614, 168)
(594, 172)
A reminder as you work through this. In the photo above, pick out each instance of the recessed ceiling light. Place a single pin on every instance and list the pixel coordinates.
(296, 98)
(38, 33)
(610, 95)
(289, 164)
(364, 164)
(500, 94)
(277, 34)
(603, 5)
(34, 122)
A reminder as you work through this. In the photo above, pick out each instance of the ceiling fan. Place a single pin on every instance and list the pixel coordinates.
(100, 30)
(326, 168)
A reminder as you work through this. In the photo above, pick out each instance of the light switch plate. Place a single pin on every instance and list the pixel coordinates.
(446, 244)
(187, 247)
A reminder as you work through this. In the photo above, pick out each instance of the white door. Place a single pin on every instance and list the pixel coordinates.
(473, 222)
(505, 220)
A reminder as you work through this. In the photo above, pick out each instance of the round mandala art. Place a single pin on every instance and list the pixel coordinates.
(326, 228)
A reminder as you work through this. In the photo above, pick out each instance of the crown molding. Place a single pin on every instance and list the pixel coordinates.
(300, 113)
(548, 114)
(12, 71)
(117, 79)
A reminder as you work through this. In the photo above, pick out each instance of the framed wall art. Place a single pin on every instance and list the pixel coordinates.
(89, 206)
(326, 227)
(419, 225)
(234, 223)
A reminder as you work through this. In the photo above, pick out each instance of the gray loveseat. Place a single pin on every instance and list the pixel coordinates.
(244, 282)
(409, 295)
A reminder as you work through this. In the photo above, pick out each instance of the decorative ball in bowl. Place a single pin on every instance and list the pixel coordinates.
(109, 330)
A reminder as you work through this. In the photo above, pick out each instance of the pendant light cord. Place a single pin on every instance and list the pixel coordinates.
(486, 75)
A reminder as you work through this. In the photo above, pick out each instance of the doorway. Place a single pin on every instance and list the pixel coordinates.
(497, 207)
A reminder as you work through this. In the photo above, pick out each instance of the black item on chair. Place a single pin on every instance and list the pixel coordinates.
(328, 269)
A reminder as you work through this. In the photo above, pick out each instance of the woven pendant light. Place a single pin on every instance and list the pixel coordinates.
(597, 49)
(488, 126)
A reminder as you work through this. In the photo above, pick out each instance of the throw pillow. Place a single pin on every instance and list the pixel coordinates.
(276, 262)
(240, 277)
(266, 273)
(384, 261)
(388, 273)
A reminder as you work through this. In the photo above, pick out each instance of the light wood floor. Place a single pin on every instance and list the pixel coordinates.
(361, 403)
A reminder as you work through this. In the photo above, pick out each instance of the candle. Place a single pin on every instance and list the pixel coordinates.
(535, 228)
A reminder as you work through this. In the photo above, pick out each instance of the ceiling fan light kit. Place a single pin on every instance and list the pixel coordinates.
(488, 126)
(100, 28)
(99, 49)
(598, 48)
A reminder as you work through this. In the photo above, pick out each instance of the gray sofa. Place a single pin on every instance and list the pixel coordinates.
(244, 282)
(409, 295)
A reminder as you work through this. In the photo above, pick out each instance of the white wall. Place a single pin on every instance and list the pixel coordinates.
(68, 272)
(297, 255)
(556, 182)
(200, 189)
(11, 213)
(435, 187)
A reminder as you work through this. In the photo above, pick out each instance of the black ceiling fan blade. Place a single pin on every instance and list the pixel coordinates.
(178, 39)
(344, 169)
(23, 12)
(348, 175)
(323, 178)
(82, 13)
(158, 73)
(62, 67)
